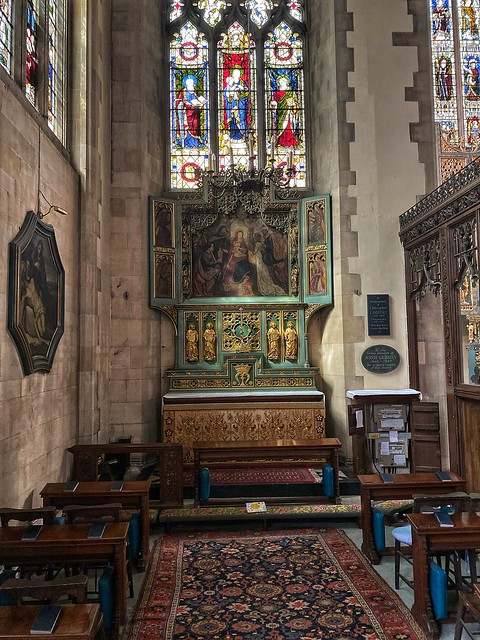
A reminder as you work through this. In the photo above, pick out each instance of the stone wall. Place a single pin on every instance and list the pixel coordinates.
(38, 413)
(364, 80)
(141, 339)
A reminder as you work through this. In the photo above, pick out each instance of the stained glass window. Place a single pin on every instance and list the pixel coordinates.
(31, 58)
(56, 66)
(284, 106)
(236, 97)
(456, 80)
(6, 28)
(189, 106)
(216, 116)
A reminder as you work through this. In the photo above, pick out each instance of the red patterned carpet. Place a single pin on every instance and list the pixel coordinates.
(267, 475)
(284, 585)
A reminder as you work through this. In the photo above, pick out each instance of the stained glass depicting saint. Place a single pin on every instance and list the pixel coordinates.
(471, 85)
(441, 19)
(443, 78)
(236, 94)
(189, 105)
(469, 18)
(31, 60)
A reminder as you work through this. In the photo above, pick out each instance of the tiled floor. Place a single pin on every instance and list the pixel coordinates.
(385, 569)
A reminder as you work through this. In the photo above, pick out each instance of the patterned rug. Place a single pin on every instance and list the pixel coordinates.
(266, 475)
(287, 585)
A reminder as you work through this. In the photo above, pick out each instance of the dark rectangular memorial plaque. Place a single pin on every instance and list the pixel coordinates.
(378, 313)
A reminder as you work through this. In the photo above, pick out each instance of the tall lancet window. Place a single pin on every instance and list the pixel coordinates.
(6, 32)
(56, 67)
(455, 38)
(236, 87)
(33, 51)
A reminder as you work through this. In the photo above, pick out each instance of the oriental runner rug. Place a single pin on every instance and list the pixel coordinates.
(285, 585)
(265, 475)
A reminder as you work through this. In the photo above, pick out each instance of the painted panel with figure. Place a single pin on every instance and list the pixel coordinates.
(240, 258)
(36, 294)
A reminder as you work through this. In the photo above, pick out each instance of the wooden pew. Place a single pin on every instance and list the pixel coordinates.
(169, 463)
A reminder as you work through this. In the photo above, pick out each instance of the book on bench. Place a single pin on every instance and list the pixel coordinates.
(47, 619)
(117, 485)
(96, 530)
(71, 485)
(32, 532)
(387, 477)
(444, 519)
(444, 476)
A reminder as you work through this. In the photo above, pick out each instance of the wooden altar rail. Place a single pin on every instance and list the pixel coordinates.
(86, 459)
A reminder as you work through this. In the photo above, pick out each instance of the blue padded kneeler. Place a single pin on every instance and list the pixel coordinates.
(134, 533)
(328, 484)
(5, 575)
(106, 597)
(204, 484)
(378, 526)
(437, 580)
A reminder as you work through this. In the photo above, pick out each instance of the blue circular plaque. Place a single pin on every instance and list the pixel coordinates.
(380, 358)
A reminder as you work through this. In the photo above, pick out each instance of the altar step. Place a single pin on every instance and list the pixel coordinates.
(349, 509)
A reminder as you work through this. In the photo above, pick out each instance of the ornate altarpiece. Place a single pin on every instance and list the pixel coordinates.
(240, 276)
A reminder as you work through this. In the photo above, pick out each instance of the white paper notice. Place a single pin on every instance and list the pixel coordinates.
(399, 459)
(384, 448)
(359, 418)
(393, 436)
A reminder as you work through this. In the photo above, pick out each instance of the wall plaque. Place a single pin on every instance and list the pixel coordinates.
(380, 358)
(378, 313)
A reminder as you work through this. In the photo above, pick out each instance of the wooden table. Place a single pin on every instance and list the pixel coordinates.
(57, 544)
(404, 485)
(134, 495)
(76, 622)
(427, 537)
(314, 450)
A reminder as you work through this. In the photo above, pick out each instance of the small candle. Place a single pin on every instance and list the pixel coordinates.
(290, 160)
(272, 148)
(231, 156)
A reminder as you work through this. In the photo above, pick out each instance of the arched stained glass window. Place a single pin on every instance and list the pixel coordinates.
(31, 57)
(6, 28)
(189, 98)
(455, 42)
(56, 66)
(236, 87)
(284, 82)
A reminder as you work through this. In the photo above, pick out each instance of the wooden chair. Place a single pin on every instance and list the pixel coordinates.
(19, 591)
(458, 500)
(26, 517)
(98, 513)
(468, 606)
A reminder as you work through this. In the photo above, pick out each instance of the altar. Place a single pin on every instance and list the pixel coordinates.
(240, 273)
(238, 415)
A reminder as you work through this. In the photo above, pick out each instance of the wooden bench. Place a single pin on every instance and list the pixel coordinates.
(168, 459)
(318, 451)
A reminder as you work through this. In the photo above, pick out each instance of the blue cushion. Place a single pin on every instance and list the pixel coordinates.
(204, 484)
(328, 483)
(437, 580)
(6, 574)
(378, 525)
(106, 597)
(403, 534)
(134, 533)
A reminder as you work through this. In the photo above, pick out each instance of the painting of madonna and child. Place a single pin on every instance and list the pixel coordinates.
(240, 258)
